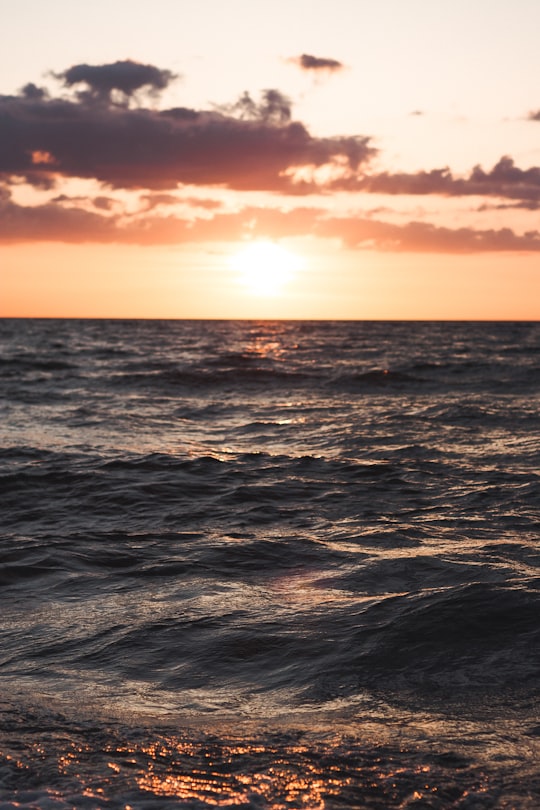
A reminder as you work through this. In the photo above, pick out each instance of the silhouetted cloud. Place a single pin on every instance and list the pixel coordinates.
(316, 63)
(424, 237)
(31, 91)
(504, 180)
(126, 77)
(248, 145)
(273, 108)
(534, 116)
(102, 203)
(524, 205)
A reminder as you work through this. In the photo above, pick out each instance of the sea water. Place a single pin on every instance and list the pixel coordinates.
(269, 564)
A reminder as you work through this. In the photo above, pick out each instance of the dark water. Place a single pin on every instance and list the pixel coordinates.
(269, 565)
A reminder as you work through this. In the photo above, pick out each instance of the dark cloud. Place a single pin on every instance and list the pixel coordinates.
(248, 146)
(43, 180)
(273, 108)
(527, 205)
(66, 198)
(504, 180)
(101, 203)
(308, 62)
(534, 116)
(507, 180)
(125, 77)
(423, 237)
(31, 91)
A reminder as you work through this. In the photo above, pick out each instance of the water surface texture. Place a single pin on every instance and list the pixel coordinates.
(269, 565)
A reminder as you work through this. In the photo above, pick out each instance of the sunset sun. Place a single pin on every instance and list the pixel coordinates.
(265, 267)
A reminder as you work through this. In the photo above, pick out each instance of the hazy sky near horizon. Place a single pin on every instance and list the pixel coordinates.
(391, 150)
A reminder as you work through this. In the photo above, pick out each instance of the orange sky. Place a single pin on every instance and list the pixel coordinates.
(126, 192)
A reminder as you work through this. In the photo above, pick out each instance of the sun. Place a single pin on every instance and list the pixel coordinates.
(265, 267)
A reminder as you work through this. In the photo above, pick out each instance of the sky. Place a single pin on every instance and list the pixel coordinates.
(284, 159)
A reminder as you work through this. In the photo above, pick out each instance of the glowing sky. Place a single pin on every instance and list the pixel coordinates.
(386, 154)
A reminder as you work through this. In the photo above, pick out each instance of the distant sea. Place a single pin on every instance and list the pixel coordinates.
(269, 565)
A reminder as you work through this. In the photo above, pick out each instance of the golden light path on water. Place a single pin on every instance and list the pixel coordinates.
(370, 763)
(273, 776)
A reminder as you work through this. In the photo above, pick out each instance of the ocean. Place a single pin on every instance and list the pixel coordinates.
(269, 565)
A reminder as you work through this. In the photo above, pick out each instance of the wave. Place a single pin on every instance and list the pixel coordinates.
(480, 635)
(375, 378)
(24, 363)
(203, 378)
(477, 638)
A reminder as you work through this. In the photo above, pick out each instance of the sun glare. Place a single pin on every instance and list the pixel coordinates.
(265, 267)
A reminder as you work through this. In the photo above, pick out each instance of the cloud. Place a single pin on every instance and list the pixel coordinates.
(71, 220)
(316, 63)
(274, 108)
(203, 202)
(63, 223)
(505, 179)
(534, 116)
(247, 146)
(31, 91)
(151, 201)
(524, 205)
(253, 144)
(53, 222)
(104, 203)
(125, 77)
(98, 128)
(423, 237)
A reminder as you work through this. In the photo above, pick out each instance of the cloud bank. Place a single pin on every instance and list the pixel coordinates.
(104, 124)
(248, 145)
(105, 130)
(58, 222)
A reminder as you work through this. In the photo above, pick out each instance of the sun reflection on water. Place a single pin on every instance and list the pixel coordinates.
(281, 777)
(307, 768)
(220, 784)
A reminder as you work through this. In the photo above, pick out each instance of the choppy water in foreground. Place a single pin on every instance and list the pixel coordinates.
(269, 565)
